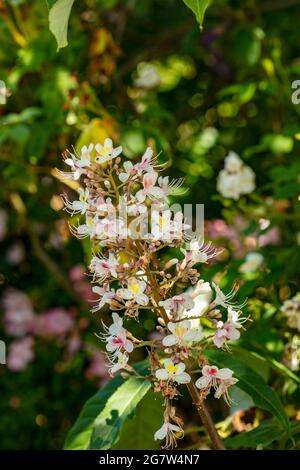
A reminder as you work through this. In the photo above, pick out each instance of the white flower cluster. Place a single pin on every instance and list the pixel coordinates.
(236, 178)
(252, 263)
(129, 276)
(291, 309)
(291, 354)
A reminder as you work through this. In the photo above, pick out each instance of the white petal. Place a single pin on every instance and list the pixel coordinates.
(129, 346)
(171, 326)
(224, 373)
(180, 367)
(117, 319)
(116, 368)
(151, 178)
(123, 177)
(128, 166)
(220, 338)
(156, 192)
(140, 195)
(148, 154)
(110, 347)
(97, 290)
(194, 335)
(116, 152)
(162, 374)
(175, 428)
(142, 299)
(202, 382)
(77, 174)
(108, 143)
(186, 324)
(183, 378)
(234, 334)
(161, 433)
(101, 159)
(69, 161)
(169, 340)
(124, 294)
(142, 285)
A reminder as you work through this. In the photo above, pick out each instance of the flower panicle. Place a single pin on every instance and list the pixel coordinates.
(113, 208)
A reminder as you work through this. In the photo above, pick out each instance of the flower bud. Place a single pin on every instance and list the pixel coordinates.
(171, 263)
(124, 375)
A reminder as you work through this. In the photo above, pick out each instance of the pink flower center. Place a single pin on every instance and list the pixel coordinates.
(147, 183)
(117, 341)
(212, 371)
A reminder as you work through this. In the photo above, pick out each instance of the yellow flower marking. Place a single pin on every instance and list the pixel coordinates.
(134, 288)
(90, 222)
(105, 151)
(180, 331)
(124, 257)
(163, 220)
(172, 368)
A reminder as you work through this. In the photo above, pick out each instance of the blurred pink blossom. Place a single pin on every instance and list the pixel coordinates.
(53, 323)
(19, 315)
(73, 345)
(56, 240)
(239, 243)
(20, 354)
(15, 253)
(218, 229)
(271, 237)
(76, 273)
(81, 284)
(98, 368)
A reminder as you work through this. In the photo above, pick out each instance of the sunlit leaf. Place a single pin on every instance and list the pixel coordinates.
(100, 422)
(199, 8)
(137, 433)
(58, 21)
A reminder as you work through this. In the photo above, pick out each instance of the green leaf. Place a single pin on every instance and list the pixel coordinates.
(263, 396)
(263, 435)
(138, 432)
(253, 360)
(279, 367)
(240, 400)
(246, 47)
(243, 92)
(198, 7)
(108, 424)
(256, 362)
(58, 21)
(100, 422)
(269, 431)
